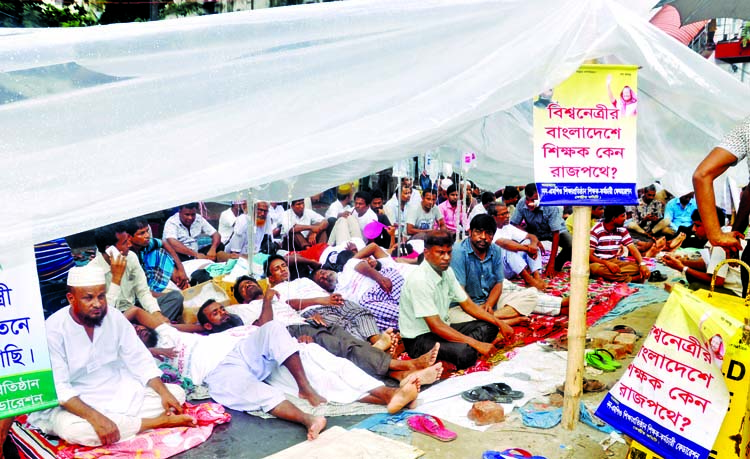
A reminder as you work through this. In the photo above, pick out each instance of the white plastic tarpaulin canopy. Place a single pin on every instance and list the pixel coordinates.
(290, 101)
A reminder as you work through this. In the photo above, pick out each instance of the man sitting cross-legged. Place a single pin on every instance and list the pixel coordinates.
(301, 227)
(107, 383)
(182, 229)
(478, 266)
(250, 367)
(546, 224)
(332, 338)
(520, 252)
(373, 280)
(606, 241)
(424, 318)
(351, 226)
(306, 296)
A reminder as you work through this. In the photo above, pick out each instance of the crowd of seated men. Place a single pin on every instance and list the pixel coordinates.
(442, 273)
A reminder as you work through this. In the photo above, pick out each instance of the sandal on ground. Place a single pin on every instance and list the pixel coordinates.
(480, 394)
(657, 276)
(608, 358)
(431, 426)
(595, 360)
(512, 453)
(503, 389)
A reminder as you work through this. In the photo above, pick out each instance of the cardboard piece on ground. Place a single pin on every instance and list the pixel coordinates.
(339, 442)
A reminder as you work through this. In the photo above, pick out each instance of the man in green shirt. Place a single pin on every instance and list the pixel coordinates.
(424, 319)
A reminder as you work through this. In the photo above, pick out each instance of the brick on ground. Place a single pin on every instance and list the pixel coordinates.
(628, 340)
(483, 413)
(599, 339)
(620, 351)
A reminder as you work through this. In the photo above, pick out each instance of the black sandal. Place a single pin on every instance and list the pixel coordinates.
(657, 276)
(504, 389)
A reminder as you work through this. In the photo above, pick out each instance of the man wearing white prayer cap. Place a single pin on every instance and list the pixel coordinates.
(107, 383)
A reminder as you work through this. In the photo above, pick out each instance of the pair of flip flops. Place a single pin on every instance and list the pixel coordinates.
(512, 453)
(495, 392)
(602, 359)
(431, 426)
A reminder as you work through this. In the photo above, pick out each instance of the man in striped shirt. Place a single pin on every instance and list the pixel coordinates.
(606, 243)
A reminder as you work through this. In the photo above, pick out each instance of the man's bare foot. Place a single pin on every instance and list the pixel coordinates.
(675, 243)
(175, 420)
(313, 397)
(315, 425)
(520, 320)
(395, 341)
(538, 282)
(384, 341)
(658, 246)
(427, 375)
(405, 395)
(426, 359)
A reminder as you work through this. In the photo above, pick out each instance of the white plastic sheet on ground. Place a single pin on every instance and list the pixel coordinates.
(290, 101)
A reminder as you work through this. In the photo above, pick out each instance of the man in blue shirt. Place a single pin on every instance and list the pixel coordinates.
(478, 263)
(547, 224)
(679, 212)
(478, 266)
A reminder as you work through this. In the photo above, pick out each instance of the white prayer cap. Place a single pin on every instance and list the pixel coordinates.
(85, 276)
(445, 183)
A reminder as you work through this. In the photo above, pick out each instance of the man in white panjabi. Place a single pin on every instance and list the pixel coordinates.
(107, 383)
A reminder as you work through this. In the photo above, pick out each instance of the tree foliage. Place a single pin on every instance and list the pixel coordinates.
(19, 13)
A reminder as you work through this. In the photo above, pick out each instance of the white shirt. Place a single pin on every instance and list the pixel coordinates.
(282, 312)
(238, 243)
(173, 228)
(368, 217)
(309, 217)
(731, 275)
(391, 210)
(132, 285)
(510, 232)
(275, 214)
(300, 289)
(351, 284)
(198, 355)
(227, 220)
(109, 373)
(336, 208)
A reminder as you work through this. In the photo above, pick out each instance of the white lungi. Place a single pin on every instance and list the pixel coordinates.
(77, 430)
(345, 229)
(524, 300)
(238, 381)
(337, 379)
(515, 262)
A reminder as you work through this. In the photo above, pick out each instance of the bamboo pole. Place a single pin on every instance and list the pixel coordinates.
(579, 284)
(250, 203)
